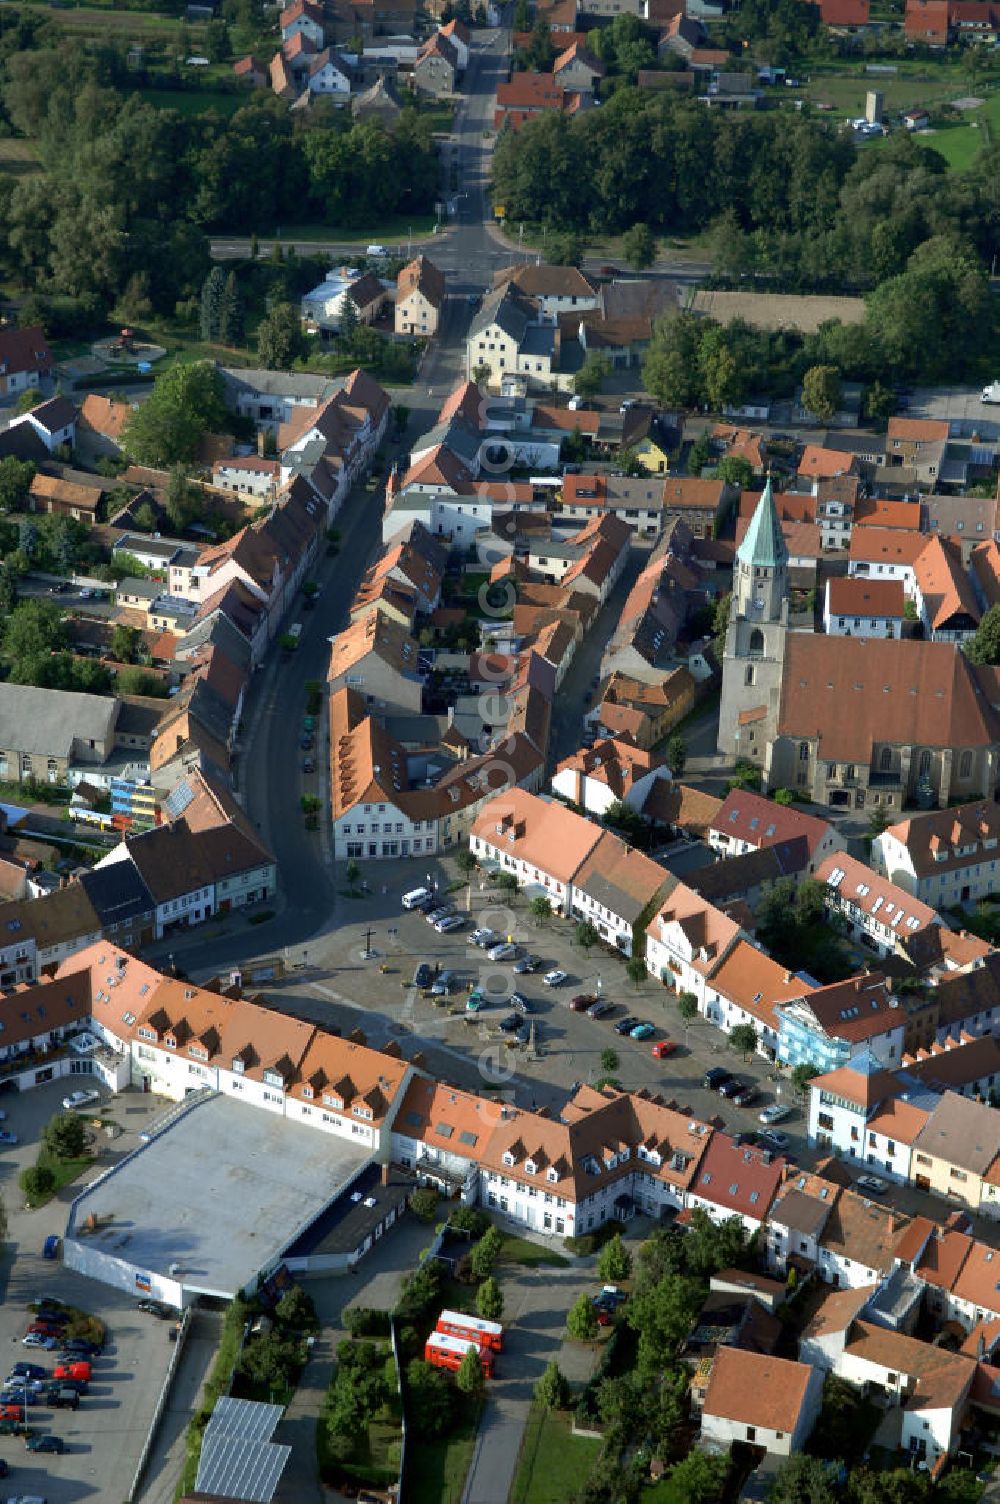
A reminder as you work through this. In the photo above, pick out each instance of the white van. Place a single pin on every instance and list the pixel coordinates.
(416, 897)
(377, 250)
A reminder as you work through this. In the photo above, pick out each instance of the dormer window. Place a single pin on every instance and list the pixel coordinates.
(551, 1175)
(238, 1065)
(531, 1167)
(273, 1079)
(508, 1159)
(307, 1092)
(333, 1101)
(170, 1041)
(361, 1111)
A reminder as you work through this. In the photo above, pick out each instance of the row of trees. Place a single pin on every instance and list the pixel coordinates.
(934, 319)
(788, 197)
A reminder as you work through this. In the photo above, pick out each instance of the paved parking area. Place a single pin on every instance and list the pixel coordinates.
(958, 404)
(104, 1437)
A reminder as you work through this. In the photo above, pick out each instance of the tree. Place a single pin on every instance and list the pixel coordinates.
(639, 247)
(710, 1246)
(37, 1182)
(185, 403)
(424, 1203)
(231, 313)
(65, 1135)
(541, 909)
(984, 648)
(821, 391)
(623, 818)
(125, 643)
(614, 1262)
(485, 1254)
(481, 374)
(141, 681)
(8, 590)
(636, 970)
(465, 862)
(489, 1300)
(212, 292)
(900, 1486)
(585, 934)
(15, 478)
(552, 1389)
(687, 1006)
(28, 399)
(802, 1074)
(280, 340)
(581, 1322)
(696, 1479)
(803, 1480)
(470, 1378)
(35, 627)
(429, 1399)
(609, 1061)
(676, 754)
(592, 375)
(743, 1038)
(736, 471)
(663, 1314)
(27, 538)
(184, 502)
(296, 1311)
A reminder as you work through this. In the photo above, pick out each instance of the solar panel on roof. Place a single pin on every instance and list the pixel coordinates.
(232, 1468)
(178, 799)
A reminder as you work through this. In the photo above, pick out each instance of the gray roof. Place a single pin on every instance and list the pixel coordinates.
(296, 384)
(764, 542)
(47, 721)
(456, 436)
(506, 308)
(539, 339)
(166, 549)
(962, 1132)
(117, 892)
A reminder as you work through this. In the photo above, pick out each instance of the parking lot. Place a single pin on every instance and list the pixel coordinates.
(105, 1435)
(338, 987)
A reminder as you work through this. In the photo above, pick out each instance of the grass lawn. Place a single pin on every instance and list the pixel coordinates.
(394, 227)
(554, 1463)
(64, 1170)
(17, 158)
(195, 102)
(439, 1476)
(97, 21)
(531, 1255)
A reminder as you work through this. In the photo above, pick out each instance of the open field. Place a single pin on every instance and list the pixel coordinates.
(17, 158)
(197, 102)
(554, 1463)
(961, 143)
(96, 21)
(769, 310)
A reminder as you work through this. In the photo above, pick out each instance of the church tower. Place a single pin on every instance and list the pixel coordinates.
(755, 641)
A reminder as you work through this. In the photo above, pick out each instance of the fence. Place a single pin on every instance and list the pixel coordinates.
(161, 1403)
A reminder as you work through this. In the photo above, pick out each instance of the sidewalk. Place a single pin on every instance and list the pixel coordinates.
(166, 1459)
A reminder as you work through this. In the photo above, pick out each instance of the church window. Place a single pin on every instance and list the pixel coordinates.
(756, 641)
(925, 765)
(885, 759)
(803, 751)
(965, 765)
(749, 674)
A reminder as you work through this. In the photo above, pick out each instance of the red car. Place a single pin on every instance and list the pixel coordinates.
(11, 1412)
(603, 1317)
(662, 1048)
(582, 1002)
(45, 1329)
(72, 1371)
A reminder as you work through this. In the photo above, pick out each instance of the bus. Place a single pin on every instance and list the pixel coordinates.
(448, 1352)
(472, 1329)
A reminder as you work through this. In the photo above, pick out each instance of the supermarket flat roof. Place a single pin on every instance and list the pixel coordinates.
(219, 1192)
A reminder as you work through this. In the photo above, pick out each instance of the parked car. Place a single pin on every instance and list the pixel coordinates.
(50, 1248)
(600, 1009)
(642, 1030)
(7, 1137)
(444, 984)
(82, 1345)
(422, 975)
(777, 1112)
(662, 1048)
(80, 1099)
(306, 743)
(46, 1444)
(80, 1385)
(475, 1001)
(20, 1396)
(63, 1398)
(28, 1371)
(13, 1428)
(521, 1004)
(526, 965)
(524, 1033)
(510, 1024)
(75, 1370)
(502, 952)
(745, 1097)
(449, 923)
(441, 912)
(625, 1025)
(555, 978)
(714, 1077)
(45, 1328)
(484, 938)
(773, 1138)
(873, 1184)
(35, 1339)
(308, 764)
(583, 1001)
(730, 1088)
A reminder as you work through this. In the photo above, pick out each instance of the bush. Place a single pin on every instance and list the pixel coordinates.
(469, 1219)
(65, 1135)
(581, 1323)
(424, 1203)
(37, 1182)
(366, 1321)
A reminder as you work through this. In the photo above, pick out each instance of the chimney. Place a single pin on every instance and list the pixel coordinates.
(384, 1176)
(980, 1347)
